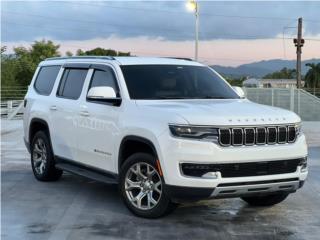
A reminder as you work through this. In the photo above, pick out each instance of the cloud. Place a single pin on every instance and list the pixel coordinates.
(222, 52)
(78, 20)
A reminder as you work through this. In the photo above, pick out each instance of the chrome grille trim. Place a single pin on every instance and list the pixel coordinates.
(295, 134)
(257, 135)
(263, 130)
(286, 134)
(225, 145)
(232, 135)
(245, 136)
(276, 135)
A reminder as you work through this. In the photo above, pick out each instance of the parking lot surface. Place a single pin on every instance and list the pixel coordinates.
(77, 208)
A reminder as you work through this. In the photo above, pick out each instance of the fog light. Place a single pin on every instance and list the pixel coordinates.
(211, 175)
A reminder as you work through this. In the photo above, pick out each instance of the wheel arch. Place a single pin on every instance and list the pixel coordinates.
(132, 144)
(37, 124)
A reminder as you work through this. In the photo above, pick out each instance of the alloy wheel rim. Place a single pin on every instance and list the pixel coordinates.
(39, 156)
(143, 186)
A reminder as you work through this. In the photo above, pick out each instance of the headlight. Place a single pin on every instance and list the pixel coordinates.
(195, 132)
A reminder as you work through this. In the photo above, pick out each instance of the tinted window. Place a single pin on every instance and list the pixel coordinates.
(45, 79)
(72, 83)
(103, 78)
(175, 82)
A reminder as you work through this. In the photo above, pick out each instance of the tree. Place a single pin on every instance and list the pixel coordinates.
(18, 68)
(235, 81)
(69, 54)
(312, 77)
(284, 73)
(101, 52)
(8, 68)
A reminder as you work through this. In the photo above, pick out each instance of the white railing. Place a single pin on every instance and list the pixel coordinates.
(306, 105)
(11, 109)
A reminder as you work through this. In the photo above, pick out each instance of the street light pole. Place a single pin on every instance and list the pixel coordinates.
(193, 6)
(197, 32)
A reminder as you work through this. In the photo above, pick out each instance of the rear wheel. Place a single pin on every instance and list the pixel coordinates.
(268, 200)
(141, 187)
(42, 160)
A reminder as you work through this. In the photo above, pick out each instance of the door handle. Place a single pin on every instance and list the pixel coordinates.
(53, 108)
(84, 113)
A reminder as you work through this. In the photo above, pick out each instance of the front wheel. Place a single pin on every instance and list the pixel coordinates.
(268, 200)
(141, 187)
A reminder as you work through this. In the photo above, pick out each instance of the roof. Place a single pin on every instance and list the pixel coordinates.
(251, 81)
(121, 60)
(264, 80)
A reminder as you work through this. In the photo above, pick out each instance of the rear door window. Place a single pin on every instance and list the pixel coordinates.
(72, 82)
(46, 78)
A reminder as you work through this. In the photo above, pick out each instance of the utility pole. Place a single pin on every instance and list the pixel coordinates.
(299, 41)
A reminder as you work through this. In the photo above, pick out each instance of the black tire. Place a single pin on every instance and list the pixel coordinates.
(164, 205)
(48, 172)
(267, 200)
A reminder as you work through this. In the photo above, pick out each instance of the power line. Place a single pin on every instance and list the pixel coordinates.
(177, 35)
(180, 12)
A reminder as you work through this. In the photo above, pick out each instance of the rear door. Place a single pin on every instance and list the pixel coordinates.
(65, 108)
(98, 122)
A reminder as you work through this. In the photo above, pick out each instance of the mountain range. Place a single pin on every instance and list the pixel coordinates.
(261, 68)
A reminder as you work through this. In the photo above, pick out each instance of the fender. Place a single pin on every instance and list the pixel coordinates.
(137, 139)
(41, 121)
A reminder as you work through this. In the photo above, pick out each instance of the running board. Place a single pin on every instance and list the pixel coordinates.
(87, 173)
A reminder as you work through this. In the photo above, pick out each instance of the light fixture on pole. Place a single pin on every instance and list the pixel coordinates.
(192, 6)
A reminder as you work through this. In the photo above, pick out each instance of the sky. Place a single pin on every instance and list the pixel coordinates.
(231, 33)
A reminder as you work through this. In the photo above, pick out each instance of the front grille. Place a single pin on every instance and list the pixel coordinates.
(247, 169)
(257, 135)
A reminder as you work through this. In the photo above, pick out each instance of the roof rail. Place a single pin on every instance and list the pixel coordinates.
(181, 58)
(81, 57)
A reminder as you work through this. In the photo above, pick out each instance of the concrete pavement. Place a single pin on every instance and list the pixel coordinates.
(77, 208)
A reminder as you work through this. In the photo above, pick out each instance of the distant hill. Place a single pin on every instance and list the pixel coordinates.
(260, 69)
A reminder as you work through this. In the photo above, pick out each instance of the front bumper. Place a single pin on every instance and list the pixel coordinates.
(186, 194)
(175, 151)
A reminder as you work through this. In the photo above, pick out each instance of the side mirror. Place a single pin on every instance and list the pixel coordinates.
(239, 91)
(103, 94)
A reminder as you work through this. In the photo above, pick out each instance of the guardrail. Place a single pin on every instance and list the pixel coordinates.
(305, 104)
(12, 109)
(313, 91)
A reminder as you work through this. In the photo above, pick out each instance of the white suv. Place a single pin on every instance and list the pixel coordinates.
(166, 130)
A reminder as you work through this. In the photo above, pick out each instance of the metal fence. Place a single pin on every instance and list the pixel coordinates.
(13, 93)
(302, 101)
(305, 104)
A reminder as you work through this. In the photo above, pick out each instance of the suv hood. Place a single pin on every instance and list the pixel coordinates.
(221, 111)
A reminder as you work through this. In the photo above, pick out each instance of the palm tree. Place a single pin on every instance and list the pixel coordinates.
(312, 77)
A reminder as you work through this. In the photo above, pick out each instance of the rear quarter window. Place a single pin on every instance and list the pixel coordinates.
(46, 78)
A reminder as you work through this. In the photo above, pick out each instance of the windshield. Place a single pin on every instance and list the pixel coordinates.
(175, 82)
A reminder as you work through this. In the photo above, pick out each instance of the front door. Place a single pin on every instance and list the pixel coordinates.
(97, 123)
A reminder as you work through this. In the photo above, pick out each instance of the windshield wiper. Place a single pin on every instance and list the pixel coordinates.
(171, 97)
(212, 97)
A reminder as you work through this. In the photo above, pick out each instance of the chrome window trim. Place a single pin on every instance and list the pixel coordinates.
(219, 130)
(232, 136)
(272, 143)
(245, 136)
